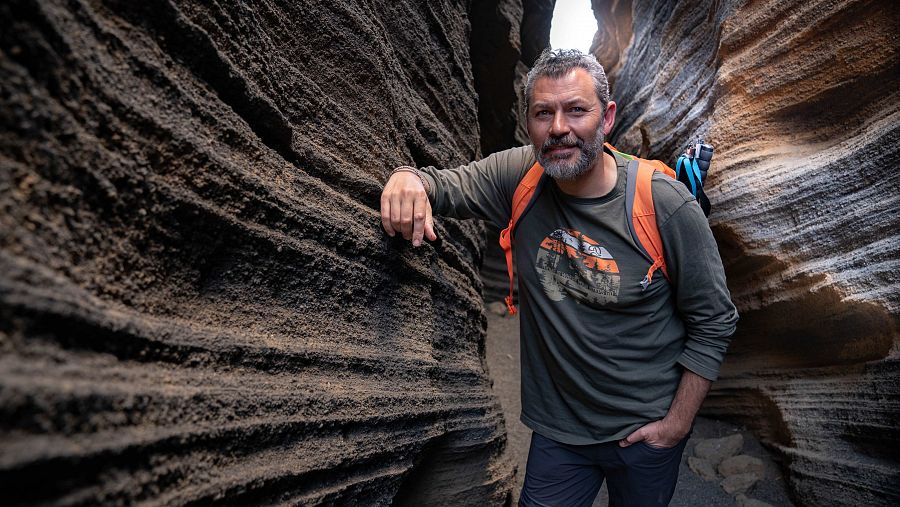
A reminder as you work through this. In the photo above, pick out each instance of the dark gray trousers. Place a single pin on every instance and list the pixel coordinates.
(563, 475)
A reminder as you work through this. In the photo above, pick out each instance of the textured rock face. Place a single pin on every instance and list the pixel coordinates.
(506, 39)
(496, 52)
(615, 29)
(197, 303)
(802, 102)
(535, 28)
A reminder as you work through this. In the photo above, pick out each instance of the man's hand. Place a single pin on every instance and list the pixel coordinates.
(668, 431)
(660, 433)
(405, 209)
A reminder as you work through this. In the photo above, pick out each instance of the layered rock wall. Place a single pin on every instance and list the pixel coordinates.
(507, 38)
(197, 303)
(802, 103)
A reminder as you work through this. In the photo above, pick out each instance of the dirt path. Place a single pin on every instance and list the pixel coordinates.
(503, 362)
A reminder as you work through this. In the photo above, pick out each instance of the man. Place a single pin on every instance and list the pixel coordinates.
(612, 373)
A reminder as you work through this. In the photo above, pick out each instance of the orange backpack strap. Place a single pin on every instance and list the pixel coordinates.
(659, 165)
(522, 197)
(639, 206)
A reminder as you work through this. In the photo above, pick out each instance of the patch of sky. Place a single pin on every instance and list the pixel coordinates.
(573, 25)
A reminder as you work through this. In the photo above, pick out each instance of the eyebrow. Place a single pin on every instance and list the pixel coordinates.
(576, 100)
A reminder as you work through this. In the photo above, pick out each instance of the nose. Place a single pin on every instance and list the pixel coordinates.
(559, 127)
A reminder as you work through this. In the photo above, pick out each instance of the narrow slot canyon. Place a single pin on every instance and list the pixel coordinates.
(198, 304)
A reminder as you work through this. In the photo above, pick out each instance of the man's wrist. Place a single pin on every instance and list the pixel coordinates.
(413, 170)
(677, 426)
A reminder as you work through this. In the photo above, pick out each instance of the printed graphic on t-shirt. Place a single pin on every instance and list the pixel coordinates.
(571, 264)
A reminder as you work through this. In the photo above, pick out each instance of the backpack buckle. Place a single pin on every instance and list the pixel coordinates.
(645, 283)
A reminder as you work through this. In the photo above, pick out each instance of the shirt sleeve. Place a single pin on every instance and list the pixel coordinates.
(481, 189)
(698, 278)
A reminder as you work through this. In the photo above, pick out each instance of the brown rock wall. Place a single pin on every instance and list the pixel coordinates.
(536, 18)
(197, 303)
(801, 102)
(614, 34)
(496, 50)
(519, 31)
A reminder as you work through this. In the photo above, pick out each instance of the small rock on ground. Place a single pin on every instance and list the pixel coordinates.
(498, 308)
(742, 464)
(717, 449)
(703, 468)
(739, 483)
(742, 500)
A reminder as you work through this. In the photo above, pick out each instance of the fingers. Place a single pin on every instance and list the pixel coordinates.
(405, 209)
(420, 211)
(652, 434)
(386, 213)
(633, 438)
(396, 212)
(429, 224)
(407, 206)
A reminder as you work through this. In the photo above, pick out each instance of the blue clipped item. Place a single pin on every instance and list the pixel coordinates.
(691, 169)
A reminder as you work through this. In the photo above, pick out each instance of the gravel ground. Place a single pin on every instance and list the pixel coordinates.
(503, 362)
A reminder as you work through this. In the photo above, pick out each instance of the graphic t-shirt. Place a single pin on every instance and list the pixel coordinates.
(601, 356)
(569, 262)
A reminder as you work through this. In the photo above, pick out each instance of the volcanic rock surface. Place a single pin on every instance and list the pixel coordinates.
(507, 38)
(802, 103)
(197, 302)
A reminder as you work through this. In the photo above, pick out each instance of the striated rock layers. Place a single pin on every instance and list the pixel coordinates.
(197, 304)
(507, 37)
(802, 103)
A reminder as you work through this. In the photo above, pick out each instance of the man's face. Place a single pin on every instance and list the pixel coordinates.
(566, 124)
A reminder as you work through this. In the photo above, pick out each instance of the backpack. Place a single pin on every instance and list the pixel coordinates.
(638, 205)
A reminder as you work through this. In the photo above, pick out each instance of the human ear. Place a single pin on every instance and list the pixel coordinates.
(609, 117)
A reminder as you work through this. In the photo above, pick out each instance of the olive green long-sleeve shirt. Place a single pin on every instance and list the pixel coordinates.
(600, 356)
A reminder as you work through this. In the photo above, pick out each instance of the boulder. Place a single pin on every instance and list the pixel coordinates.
(715, 450)
(742, 464)
(739, 483)
(498, 308)
(703, 468)
(742, 500)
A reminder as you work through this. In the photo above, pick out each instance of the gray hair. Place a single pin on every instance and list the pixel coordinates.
(557, 63)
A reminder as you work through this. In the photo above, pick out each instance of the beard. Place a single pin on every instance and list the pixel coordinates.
(559, 169)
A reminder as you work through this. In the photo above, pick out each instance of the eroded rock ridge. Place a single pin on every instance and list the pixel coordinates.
(802, 103)
(197, 303)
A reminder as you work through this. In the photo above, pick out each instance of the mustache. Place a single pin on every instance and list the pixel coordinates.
(567, 141)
